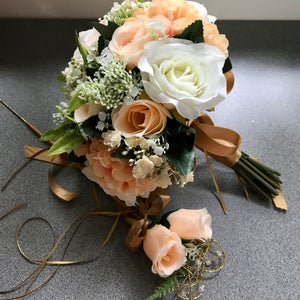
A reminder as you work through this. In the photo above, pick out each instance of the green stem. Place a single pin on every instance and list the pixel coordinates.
(258, 178)
(258, 190)
(261, 174)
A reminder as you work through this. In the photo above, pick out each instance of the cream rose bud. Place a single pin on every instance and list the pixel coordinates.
(88, 39)
(165, 250)
(184, 75)
(86, 111)
(191, 224)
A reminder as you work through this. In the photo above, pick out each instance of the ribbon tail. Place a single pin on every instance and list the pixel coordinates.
(279, 201)
(215, 183)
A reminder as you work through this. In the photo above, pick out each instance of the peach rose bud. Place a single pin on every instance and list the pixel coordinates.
(165, 250)
(128, 41)
(191, 224)
(141, 118)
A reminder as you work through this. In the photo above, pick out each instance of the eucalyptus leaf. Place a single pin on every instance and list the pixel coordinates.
(70, 140)
(55, 134)
(193, 32)
(76, 102)
(106, 31)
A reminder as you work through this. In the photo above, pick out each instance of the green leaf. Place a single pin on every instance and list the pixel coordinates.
(76, 159)
(65, 91)
(89, 126)
(106, 30)
(61, 77)
(70, 140)
(102, 43)
(118, 154)
(227, 65)
(76, 102)
(193, 32)
(55, 134)
(166, 286)
(164, 219)
(181, 151)
(66, 116)
(83, 51)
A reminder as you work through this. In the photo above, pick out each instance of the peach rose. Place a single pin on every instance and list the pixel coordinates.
(191, 224)
(141, 118)
(165, 250)
(112, 174)
(129, 39)
(214, 38)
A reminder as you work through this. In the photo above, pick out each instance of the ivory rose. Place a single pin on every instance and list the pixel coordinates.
(112, 174)
(183, 75)
(191, 224)
(165, 250)
(141, 118)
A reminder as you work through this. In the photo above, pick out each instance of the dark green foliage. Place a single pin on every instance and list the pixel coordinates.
(193, 32)
(181, 152)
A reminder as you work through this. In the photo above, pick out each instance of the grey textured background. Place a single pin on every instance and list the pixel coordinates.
(261, 243)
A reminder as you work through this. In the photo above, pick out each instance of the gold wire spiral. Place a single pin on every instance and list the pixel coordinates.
(210, 260)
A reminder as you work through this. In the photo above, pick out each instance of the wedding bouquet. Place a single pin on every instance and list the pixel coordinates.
(136, 89)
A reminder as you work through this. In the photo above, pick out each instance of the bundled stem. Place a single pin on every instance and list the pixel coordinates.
(263, 179)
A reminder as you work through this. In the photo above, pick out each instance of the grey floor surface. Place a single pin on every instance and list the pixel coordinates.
(261, 243)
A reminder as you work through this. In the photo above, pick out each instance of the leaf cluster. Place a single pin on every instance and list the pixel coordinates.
(181, 151)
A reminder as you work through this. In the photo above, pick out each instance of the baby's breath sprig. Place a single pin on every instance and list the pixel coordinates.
(121, 12)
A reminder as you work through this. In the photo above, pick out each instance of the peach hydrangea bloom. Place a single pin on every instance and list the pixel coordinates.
(114, 175)
(178, 12)
(214, 38)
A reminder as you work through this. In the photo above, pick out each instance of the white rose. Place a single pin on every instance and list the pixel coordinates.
(88, 38)
(184, 75)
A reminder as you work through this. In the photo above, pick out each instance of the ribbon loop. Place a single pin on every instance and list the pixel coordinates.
(219, 142)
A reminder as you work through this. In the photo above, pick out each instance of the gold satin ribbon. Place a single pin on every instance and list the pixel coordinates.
(137, 216)
(219, 142)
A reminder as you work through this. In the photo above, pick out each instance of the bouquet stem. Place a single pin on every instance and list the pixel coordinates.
(263, 179)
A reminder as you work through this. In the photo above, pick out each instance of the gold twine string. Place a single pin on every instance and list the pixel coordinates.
(12, 210)
(191, 282)
(46, 261)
